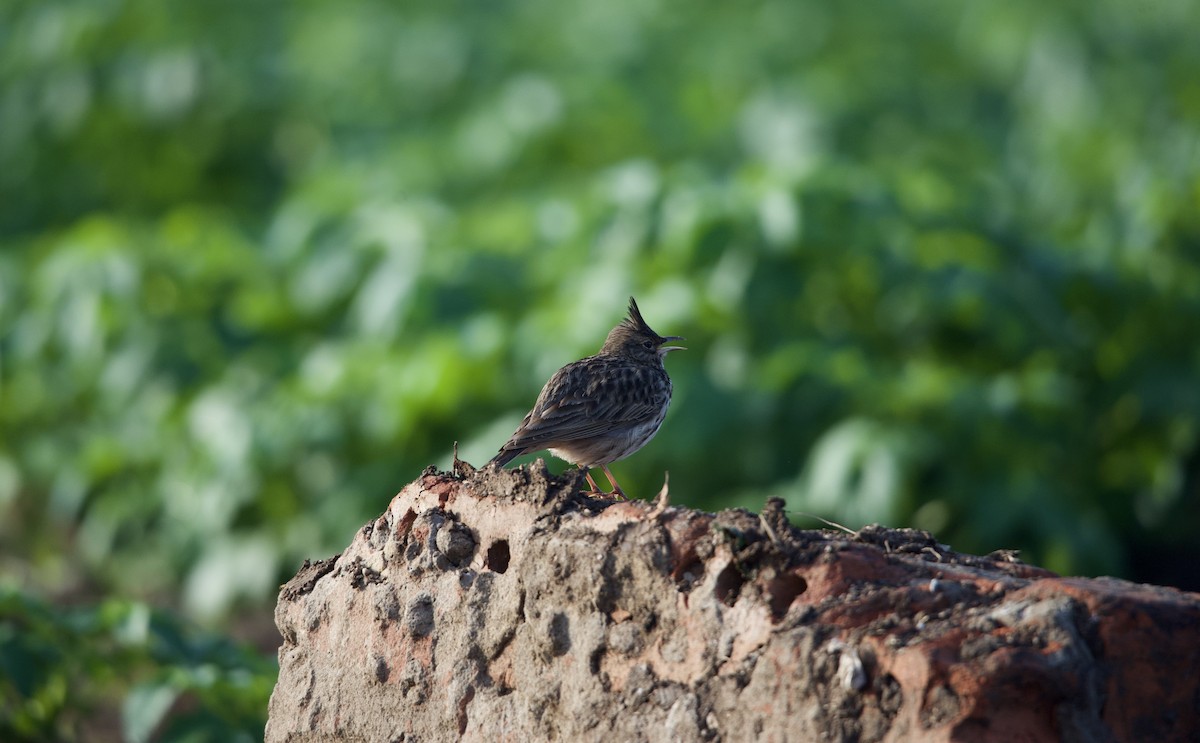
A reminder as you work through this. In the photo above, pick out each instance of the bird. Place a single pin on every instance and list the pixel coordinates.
(601, 409)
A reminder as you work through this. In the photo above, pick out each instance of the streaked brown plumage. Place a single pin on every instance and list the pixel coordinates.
(598, 410)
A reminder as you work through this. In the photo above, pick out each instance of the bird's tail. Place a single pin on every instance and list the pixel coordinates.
(505, 456)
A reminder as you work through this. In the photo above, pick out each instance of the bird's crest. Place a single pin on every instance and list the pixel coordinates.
(636, 324)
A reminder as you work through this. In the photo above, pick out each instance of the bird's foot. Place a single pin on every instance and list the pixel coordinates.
(598, 493)
(617, 493)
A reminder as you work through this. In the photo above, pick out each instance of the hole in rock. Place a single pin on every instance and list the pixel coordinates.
(729, 584)
(559, 631)
(594, 661)
(463, 703)
(783, 591)
(689, 572)
(497, 556)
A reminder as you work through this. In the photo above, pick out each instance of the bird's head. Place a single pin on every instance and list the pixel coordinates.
(634, 339)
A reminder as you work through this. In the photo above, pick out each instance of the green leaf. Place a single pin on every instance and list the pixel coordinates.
(144, 708)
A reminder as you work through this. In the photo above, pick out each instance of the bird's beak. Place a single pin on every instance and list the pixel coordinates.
(664, 350)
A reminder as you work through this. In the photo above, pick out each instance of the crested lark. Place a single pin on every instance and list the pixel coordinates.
(603, 408)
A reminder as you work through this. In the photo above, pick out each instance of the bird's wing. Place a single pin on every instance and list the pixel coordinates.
(588, 398)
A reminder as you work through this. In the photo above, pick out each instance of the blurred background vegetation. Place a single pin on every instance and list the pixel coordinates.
(260, 263)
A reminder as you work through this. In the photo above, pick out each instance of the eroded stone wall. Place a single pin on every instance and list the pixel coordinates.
(504, 606)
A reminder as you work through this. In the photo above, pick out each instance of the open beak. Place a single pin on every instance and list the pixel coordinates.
(664, 349)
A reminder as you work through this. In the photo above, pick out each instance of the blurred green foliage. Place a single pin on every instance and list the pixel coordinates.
(58, 666)
(938, 264)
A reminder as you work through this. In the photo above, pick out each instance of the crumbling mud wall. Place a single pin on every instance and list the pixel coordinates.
(504, 606)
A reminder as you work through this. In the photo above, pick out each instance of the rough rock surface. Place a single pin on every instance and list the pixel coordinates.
(504, 606)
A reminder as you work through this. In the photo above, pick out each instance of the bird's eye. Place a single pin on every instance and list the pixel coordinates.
(648, 345)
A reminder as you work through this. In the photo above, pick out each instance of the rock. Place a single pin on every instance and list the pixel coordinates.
(502, 605)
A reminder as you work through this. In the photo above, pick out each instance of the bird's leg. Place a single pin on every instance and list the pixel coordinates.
(595, 488)
(616, 491)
